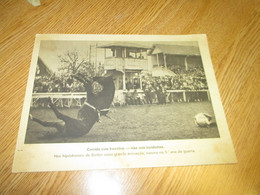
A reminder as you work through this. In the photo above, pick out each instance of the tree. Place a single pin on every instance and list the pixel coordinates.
(72, 62)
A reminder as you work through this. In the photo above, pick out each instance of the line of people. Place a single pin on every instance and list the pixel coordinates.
(161, 96)
(44, 84)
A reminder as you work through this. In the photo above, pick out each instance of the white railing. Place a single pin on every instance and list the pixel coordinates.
(63, 98)
(184, 93)
(64, 95)
(66, 99)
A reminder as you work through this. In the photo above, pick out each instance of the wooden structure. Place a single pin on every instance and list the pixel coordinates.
(125, 61)
(183, 56)
(42, 68)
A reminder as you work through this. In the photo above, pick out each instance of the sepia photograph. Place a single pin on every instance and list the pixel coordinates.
(121, 101)
(101, 91)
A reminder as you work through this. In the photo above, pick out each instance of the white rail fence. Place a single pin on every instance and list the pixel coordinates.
(77, 98)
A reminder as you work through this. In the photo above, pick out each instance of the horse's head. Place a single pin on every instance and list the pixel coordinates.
(80, 77)
(103, 80)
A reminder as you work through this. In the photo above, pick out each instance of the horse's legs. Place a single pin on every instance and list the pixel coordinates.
(86, 82)
(80, 77)
(57, 113)
(70, 123)
(58, 125)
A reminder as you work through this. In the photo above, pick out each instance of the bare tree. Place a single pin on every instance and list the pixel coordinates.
(72, 62)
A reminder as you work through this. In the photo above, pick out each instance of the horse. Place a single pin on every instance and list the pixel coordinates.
(71, 127)
(103, 99)
(89, 113)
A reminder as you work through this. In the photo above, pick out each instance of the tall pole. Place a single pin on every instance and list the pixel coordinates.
(124, 59)
(89, 54)
(164, 59)
(186, 63)
(157, 58)
(141, 82)
(124, 84)
(96, 60)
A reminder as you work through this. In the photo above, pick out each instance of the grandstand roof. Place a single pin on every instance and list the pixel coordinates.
(176, 50)
(44, 70)
(125, 45)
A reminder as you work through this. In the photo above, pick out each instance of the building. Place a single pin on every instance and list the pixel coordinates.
(175, 56)
(42, 69)
(126, 62)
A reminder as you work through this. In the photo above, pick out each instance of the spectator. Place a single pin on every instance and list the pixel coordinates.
(57, 84)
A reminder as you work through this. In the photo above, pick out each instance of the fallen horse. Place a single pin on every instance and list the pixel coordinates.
(96, 105)
(103, 99)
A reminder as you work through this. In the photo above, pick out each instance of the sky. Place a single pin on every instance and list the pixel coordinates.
(51, 49)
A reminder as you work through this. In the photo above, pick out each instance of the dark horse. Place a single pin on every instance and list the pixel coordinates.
(90, 112)
(103, 99)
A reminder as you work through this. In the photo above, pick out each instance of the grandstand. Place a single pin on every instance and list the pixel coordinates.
(173, 73)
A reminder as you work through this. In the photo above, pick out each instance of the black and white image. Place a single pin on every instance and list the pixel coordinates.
(104, 91)
(121, 101)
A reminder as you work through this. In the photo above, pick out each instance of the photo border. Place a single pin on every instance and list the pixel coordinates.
(41, 157)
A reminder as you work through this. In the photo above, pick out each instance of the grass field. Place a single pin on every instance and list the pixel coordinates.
(133, 123)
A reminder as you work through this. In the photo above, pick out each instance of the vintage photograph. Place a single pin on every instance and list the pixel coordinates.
(121, 101)
(116, 91)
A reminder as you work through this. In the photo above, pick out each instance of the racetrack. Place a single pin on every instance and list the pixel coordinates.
(133, 123)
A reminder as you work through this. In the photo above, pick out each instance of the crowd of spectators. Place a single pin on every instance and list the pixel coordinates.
(155, 89)
(56, 83)
(192, 79)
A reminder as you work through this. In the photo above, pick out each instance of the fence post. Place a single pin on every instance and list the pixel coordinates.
(184, 96)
